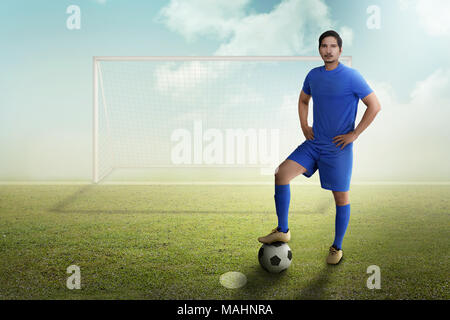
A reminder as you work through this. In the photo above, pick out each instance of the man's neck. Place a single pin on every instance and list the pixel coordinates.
(331, 66)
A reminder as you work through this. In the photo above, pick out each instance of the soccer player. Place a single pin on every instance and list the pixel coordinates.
(328, 148)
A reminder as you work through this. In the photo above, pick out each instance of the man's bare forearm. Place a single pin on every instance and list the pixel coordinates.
(367, 119)
(303, 114)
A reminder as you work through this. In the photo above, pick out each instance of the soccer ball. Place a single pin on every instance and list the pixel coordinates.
(275, 257)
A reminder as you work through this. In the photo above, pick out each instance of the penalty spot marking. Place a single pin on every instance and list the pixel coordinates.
(233, 280)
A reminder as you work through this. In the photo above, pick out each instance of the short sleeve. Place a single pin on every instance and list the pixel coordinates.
(306, 86)
(359, 86)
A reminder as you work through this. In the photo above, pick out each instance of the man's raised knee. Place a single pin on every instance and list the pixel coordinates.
(280, 178)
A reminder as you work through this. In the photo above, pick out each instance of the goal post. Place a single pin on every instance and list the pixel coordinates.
(171, 113)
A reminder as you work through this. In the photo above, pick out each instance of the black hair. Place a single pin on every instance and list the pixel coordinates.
(331, 33)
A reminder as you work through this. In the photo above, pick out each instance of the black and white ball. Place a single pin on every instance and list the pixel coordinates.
(275, 257)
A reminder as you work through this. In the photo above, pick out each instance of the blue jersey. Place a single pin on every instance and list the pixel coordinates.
(335, 96)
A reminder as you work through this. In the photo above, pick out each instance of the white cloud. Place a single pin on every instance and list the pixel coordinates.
(192, 78)
(433, 16)
(292, 27)
(407, 140)
(346, 34)
(404, 4)
(434, 87)
(171, 76)
(195, 18)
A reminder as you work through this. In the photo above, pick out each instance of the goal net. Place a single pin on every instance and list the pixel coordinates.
(187, 119)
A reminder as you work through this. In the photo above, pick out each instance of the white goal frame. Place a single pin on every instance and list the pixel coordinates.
(98, 89)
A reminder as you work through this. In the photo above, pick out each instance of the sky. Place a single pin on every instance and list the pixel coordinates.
(400, 47)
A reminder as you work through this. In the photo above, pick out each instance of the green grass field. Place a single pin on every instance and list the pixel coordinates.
(174, 242)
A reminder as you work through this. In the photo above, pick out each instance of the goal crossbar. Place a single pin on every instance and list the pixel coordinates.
(347, 59)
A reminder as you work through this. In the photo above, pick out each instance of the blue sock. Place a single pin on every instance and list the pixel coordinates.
(342, 219)
(282, 199)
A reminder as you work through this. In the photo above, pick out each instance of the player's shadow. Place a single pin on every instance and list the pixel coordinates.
(81, 202)
(323, 206)
(316, 288)
(259, 284)
(62, 205)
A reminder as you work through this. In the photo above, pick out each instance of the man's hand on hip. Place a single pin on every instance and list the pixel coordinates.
(345, 139)
(308, 132)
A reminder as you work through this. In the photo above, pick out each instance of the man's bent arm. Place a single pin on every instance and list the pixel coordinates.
(303, 103)
(373, 107)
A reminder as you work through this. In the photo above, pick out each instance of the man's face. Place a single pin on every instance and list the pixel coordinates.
(329, 50)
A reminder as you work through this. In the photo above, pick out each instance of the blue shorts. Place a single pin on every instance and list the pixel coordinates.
(335, 165)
